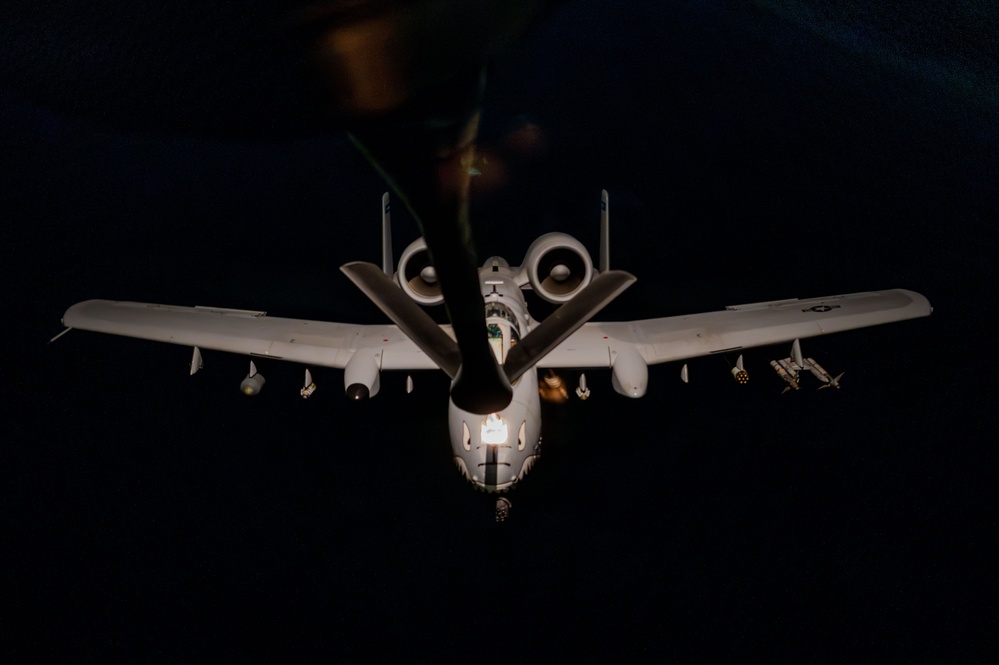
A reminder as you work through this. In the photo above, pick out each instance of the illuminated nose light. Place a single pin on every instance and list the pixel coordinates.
(494, 430)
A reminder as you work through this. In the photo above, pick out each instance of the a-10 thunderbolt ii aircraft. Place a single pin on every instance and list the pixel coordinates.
(494, 451)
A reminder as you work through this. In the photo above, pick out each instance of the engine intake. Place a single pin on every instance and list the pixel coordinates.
(558, 267)
(416, 275)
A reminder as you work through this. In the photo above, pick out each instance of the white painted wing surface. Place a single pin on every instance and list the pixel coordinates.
(253, 333)
(736, 327)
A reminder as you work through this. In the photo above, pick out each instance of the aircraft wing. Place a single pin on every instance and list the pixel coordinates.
(736, 327)
(250, 333)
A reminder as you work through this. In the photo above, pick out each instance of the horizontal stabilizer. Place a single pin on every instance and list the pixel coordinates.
(405, 313)
(566, 320)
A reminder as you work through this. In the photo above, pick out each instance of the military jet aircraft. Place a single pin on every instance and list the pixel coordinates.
(495, 450)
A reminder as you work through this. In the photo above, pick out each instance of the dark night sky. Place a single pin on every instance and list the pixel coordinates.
(753, 151)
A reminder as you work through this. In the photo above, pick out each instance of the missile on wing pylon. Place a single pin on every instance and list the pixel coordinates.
(822, 375)
(789, 376)
(309, 387)
(582, 392)
(790, 367)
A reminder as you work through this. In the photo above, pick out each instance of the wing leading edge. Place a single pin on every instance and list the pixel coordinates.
(253, 333)
(595, 344)
(737, 327)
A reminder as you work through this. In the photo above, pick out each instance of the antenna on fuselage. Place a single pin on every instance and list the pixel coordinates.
(604, 231)
(388, 266)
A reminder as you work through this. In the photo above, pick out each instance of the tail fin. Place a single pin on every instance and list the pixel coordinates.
(604, 231)
(388, 266)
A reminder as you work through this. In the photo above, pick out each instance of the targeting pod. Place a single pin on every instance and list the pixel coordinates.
(253, 383)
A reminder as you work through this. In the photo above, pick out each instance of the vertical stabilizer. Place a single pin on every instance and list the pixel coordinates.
(387, 262)
(604, 231)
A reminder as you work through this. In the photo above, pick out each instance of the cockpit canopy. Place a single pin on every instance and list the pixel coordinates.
(502, 328)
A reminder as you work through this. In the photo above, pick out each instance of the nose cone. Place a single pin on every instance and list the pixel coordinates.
(496, 450)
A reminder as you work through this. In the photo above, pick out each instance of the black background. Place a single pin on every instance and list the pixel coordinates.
(752, 152)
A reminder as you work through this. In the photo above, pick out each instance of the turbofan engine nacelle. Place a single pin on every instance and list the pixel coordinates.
(417, 276)
(558, 267)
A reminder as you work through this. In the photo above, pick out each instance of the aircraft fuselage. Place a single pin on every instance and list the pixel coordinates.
(496, 450)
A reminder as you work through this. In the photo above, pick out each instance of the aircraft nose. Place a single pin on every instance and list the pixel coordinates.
(494, 451)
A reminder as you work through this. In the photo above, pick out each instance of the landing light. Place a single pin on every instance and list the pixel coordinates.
(494, 430)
